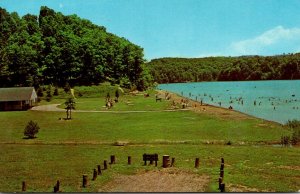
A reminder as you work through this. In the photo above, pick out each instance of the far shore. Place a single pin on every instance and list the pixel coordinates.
(221, 112)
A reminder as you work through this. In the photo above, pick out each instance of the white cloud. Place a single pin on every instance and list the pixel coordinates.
(61, 5)
(278, 39)
(275, 41)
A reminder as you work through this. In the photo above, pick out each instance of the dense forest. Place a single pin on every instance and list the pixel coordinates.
(52, 48)
(55, 49)
(172, 70)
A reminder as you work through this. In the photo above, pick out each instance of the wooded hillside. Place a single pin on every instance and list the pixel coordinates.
(172, 70)
(55, 49)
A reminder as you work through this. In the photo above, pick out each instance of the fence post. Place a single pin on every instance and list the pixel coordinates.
(144, 158)
(222, 188)
(99, 169)
(112, 159)
(197, 163)
(173, 162)
(105, 165)
(222, 166)
(222, 173)
(95, 174)
(129, 160)
(24, 187)
(220, 182)
(84, 180)
(56, 187)
(166, 161)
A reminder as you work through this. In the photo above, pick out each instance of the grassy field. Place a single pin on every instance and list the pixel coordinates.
(65, 150)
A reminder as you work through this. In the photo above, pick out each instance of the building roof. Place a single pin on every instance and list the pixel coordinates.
(17, 94)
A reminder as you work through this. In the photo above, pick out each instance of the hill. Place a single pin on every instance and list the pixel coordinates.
(172, 70)
(56, 49)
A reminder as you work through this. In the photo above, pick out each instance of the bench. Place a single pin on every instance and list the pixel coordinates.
(151, 158)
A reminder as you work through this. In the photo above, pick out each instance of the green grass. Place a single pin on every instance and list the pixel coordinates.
(40, 166)
(65, 150)
(149, 127)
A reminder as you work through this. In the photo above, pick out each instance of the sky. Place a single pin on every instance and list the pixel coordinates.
(187, 28)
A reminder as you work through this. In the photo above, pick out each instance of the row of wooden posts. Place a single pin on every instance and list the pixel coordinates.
(146, 157)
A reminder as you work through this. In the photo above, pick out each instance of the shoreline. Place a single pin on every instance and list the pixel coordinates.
(219, 112)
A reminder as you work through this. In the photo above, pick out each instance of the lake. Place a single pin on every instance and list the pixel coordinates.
(277, 100)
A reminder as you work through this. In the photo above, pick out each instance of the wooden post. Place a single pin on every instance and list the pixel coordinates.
(222, 187)
(56, 187)
(197, 163)
(95, 174)
(156, 158)
(24, 187)
(166, 161)
(129, 160)
(84, 180)
(222, 160)
(151, 162)
(173, 162)
(220, 182)
(222, 173)
(99, 169)
(105, 165)
(222, 166)
(144, 158)
(112, 159)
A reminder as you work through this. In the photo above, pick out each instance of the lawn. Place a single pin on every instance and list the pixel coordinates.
(65, 150)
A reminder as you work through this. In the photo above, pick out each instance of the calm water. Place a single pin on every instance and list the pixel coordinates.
(271, 100)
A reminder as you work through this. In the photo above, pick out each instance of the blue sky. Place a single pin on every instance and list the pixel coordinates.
(188, 28)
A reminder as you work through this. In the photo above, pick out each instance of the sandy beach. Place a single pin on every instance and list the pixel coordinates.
(220, 112)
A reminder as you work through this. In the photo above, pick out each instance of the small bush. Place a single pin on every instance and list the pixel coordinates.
(49, 94)
(40, 92)
(295, 139)
(229, 143)
(67, 88)
(55, 91)
(31, 129)
(293, 124)
(285, 140)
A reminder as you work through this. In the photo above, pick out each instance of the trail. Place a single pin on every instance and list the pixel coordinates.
(54, 108)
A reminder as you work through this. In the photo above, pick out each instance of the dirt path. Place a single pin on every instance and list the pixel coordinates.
(164, 180)
(50, 107)
(54, 107)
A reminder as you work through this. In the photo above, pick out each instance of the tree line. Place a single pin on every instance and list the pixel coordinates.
(173, 70)
(52, 48)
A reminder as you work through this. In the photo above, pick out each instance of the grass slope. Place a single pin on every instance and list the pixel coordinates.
(65, 150)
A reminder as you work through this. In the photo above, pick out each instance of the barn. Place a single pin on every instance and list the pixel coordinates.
(17, 98)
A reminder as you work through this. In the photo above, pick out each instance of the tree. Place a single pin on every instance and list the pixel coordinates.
(70, 104)
(31, 129)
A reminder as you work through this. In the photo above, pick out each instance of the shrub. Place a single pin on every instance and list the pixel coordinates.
(31, 129)
(40, 92)
(285, 140)
(229, 143)
(295, 136)
(55, 91)
(49, 93)
(293, 123)
(67, 88)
